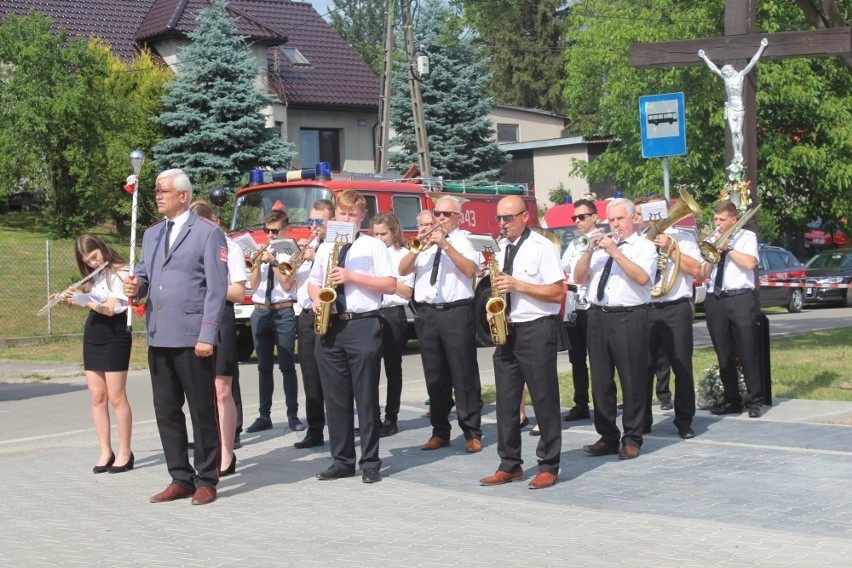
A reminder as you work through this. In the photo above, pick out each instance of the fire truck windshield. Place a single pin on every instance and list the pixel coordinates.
(252, 207)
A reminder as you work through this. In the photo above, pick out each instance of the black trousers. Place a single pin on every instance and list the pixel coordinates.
(671, 340)
(663, 372)
(448, 352)
(394, 326)
(734, 324)
(528, 357)
(349, 360)
(314, 400)
(619, 341)
(577, 355)
(177, 374)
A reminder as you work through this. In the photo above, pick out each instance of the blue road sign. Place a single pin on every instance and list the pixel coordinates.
(663, 125)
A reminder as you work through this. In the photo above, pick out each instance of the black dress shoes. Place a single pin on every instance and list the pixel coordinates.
(666, 404)
(525, 422)
(687, 433)
(335, 472)
(388, 428)
(262, 423)
(371, 475)
(309, 442)
(727, 408)
(128, 465)
(231, 469)
(577, 413)
(755, 411)
(104, 468)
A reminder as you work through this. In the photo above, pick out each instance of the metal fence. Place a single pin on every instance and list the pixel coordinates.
(29, 273)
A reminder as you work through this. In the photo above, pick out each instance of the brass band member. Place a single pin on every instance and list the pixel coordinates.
(733, 314)
(618, 270)
(443, 294)
(349, 354)
(531, 279)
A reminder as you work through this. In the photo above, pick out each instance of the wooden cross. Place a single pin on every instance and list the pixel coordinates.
(739, 43)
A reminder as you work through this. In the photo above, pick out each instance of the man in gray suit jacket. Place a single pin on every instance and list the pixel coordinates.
(183, 270)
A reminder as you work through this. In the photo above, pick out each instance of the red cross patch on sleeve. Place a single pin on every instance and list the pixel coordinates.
(223, 254)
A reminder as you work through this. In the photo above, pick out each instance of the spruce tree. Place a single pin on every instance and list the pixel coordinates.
(213, 121)
(456, 104)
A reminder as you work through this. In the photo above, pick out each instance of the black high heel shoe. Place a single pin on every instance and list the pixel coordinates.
(231, 468)
(104, 468)
(122, 468)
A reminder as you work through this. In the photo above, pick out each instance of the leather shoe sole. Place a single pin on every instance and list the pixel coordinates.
(600, 448)
(501, 477)
(543, 480)
(628, 452)
(204, 495)
(686, 433)
(334, 473)
(434, 443)
(172, 493)
(309, 443)
(473, 445)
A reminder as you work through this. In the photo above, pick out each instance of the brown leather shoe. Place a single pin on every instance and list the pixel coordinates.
(500, 477)
(601, 448)
(473, 445)
(543, 480)
(204, 495)
(434, 443)
(628, 452)
(172, 493)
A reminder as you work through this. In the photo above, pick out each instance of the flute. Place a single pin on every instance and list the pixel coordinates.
(56, 298)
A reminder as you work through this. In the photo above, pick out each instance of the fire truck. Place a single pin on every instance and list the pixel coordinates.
(296, 192)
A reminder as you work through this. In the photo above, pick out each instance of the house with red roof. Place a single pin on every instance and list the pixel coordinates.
(327, 97)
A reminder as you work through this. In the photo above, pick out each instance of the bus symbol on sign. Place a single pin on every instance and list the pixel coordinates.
(660, 117)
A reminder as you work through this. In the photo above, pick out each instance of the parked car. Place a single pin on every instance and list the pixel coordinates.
(777, 265)
(817, 237)
(827, 268)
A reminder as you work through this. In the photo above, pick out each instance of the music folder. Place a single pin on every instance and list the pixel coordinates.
(483, 243)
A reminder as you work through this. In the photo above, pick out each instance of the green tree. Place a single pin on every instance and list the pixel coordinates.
(804, 111)
(521, 43)
(213, 119)
(361, 24)
(455, 102)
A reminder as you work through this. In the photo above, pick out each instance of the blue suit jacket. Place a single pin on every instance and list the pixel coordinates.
(186, 290)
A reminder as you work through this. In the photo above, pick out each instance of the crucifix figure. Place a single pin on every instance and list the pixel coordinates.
(734, 107)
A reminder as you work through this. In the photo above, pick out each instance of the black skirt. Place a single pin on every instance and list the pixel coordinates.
(106, 343)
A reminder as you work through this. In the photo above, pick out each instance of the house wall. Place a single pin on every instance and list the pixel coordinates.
(553, 166)
(532, 125)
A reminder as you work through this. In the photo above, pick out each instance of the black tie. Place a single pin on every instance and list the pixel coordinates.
(341, 292)
(508, 261)
(270, 284)
(605, 275)
(169, 226)
(434, 276)
(720, 274)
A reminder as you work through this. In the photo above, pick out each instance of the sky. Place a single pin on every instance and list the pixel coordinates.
(322, 6)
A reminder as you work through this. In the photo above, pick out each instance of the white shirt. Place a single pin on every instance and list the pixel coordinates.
(367, 255)
(179, 222)
(236, 263)
(621, 290)
(110, 285)
(302, 296)
(391, 300)
(535, 262)
(688, 245)
(452, 285)
(279, 294)
(735, 278)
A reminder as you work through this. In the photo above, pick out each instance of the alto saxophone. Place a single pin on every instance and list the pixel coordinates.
(495, 308)
(327, 294)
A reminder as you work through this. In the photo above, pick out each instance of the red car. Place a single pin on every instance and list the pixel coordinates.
(817, 238)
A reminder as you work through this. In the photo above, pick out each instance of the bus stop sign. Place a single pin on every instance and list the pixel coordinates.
(663, 125)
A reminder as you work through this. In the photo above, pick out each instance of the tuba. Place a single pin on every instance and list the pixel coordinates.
(666, 276)
(327, 294)
(710, 250)
(495, 308)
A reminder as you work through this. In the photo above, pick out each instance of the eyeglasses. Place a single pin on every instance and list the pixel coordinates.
(162, 191)
(581, 217)
(312, 222)
(271, 231)
(509, 218)
(444, 213)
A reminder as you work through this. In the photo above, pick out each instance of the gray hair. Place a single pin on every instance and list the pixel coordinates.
(450, 199)
(631, 208)
(180, 181)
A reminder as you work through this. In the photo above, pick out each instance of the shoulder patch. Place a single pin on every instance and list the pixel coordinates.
(223, 254)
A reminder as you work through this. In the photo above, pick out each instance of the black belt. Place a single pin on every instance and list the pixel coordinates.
(446, 306)
(729, 293)
(273, 307)
(670, 302)
(392, 309)
(348, 316)
(617, 309)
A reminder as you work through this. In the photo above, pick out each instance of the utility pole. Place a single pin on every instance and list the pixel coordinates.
(416, 95)
(385, 100)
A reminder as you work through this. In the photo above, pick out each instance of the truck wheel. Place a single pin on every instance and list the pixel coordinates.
(245, 343)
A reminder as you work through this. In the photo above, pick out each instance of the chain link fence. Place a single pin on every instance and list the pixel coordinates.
(29, 273)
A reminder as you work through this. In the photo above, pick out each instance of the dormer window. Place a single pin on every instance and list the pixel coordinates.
(295, 57)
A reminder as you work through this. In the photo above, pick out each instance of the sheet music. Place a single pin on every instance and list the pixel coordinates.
(483, 243)
(345, 228)
(655, 211)
(284, 246)
(246, 243)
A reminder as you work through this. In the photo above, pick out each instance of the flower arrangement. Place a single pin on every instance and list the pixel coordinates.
(737, 187)
(710, 392)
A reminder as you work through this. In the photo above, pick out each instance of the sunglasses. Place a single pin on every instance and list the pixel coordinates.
(444, 213)
(312, 222)
(581, 217)
(270, 231)
(509, 218)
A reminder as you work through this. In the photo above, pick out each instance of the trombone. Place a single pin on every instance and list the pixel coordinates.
(710, 248)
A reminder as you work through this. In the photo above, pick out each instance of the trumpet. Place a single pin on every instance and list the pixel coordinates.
(288, 269)
(418, 244)
(583, 242)
(56, 298)
(251, 262)
(710, 249)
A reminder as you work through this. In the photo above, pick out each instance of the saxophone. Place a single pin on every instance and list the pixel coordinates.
(495, 308)
(327, 294)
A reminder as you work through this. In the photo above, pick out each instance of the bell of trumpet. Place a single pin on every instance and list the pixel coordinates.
(418, 244)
